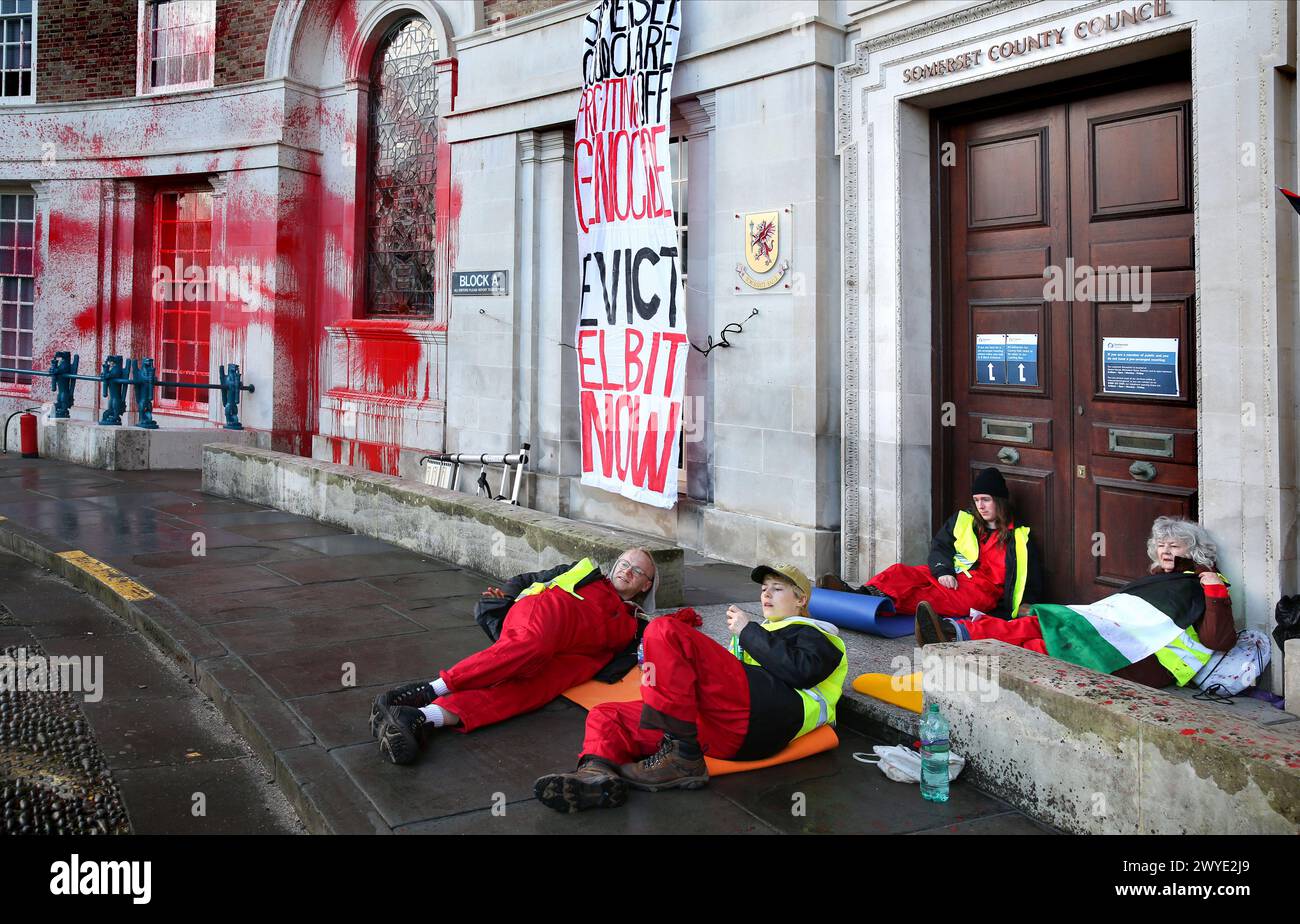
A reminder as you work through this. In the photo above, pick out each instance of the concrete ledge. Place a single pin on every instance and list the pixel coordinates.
(1091, 753)
(125, 448)
(487, 536)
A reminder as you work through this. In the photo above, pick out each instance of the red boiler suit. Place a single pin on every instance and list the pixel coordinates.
(696, 682)
(550, 641)
(981, 588)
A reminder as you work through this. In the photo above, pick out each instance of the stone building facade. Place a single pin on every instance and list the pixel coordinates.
(838, 427)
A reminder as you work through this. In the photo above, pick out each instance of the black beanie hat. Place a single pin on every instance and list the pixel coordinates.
(990, 482)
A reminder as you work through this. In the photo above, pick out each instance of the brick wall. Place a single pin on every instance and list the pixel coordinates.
(500, 10)
(85, 49)
(243, 27)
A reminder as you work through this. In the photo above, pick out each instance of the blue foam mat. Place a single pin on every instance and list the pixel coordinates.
(873, 615)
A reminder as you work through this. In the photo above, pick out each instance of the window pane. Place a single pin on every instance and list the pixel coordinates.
(402, 171)
(26, 206)
(8, 206)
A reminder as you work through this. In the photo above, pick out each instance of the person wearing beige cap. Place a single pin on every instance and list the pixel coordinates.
(781, 678)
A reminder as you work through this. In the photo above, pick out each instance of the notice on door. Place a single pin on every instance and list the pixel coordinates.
(1006, 359)
(1140, 366)
(991, 359)
(1022, 359)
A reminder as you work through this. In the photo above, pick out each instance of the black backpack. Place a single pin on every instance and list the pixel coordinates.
(1288, 620)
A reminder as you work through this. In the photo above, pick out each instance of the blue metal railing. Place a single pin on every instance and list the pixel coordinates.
(117, 374)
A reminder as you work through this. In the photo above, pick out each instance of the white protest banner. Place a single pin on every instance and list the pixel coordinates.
(631, 336)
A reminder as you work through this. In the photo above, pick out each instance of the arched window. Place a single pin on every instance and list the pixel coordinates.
(402, 171)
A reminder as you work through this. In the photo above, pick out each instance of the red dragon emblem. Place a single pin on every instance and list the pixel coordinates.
(762, 239)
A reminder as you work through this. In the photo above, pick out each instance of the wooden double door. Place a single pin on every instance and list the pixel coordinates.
(1068, 323)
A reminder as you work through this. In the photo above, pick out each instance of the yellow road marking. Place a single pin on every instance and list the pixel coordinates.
(115, 580)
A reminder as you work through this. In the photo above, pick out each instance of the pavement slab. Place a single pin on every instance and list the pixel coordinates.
(221, 788)
(281, 632)
(291, 627)
(321, 669)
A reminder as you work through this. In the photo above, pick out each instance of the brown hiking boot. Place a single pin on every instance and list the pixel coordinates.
(666, 768)
(595, 784)
(930, 629)
(833, 582)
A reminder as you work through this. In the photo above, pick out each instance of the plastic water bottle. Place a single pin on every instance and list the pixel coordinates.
(934, 755)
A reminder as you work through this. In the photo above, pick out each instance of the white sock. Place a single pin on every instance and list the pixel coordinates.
(440, 687)
(435, 715)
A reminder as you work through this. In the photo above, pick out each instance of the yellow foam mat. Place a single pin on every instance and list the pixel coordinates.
(628, 690)
(902, 690)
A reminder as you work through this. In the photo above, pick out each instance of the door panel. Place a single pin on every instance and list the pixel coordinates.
(1102, 181)
(1008, 215)
(1131, 202)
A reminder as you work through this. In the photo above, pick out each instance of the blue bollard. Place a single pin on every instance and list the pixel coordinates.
(144, 378)
(62, 383)
(231, 384)
(114, 388)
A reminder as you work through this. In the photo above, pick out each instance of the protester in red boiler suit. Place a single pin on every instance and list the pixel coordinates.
(563, 627)
(979, 560)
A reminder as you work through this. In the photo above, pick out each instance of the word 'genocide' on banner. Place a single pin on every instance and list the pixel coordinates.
(631, 337)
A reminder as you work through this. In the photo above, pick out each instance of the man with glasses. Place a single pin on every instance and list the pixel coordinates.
(551, 630)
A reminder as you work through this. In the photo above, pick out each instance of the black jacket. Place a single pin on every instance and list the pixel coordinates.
(490, 614)
(793, 658)
(943, 550)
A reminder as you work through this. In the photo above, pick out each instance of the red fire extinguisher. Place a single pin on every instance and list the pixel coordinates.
(27, 434)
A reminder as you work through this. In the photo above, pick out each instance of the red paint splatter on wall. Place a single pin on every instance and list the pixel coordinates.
(85, 322)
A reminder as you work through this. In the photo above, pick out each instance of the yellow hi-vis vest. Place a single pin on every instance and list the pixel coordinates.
(967, 548)
(566, 581)
(818, 701)
(1185, 656)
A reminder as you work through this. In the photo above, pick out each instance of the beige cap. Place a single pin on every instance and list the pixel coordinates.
(788, 572)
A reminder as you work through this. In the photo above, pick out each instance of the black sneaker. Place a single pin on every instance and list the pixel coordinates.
(404, 733)
(595, 784)
(413, 694)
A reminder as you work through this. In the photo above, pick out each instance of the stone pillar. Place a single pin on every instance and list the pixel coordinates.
(554, 283)
(698, 414)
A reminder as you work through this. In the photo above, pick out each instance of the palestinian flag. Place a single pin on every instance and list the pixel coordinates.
(1125, 627)
(1291, 197)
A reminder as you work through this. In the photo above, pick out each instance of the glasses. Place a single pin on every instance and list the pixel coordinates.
(623, 563)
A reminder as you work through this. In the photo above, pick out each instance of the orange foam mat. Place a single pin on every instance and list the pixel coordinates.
(628, 690)
(903, 690)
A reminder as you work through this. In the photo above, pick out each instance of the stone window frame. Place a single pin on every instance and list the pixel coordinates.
(368, 167)
(10, 382)
(5, 17)
(145, 31)
(188, 401)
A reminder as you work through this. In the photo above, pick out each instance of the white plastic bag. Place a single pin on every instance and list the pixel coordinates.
(903, 765)
(1231, 672)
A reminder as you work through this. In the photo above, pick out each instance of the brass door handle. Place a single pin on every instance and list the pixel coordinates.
(1142, 471)
(1008, 456)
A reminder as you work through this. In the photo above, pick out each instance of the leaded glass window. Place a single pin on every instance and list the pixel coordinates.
(402, 167)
